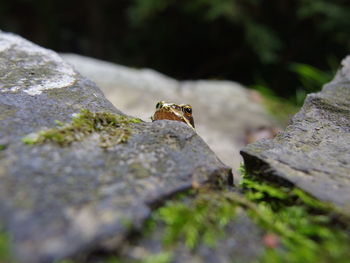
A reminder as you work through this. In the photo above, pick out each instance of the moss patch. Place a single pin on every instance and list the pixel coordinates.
(303, 228)
(197, 218)
(112, 128)
(308, 229)
(3, 147)
(162, 257)
(5, 251)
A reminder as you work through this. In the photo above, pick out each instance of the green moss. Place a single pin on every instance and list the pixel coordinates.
(134, 120)
(307, 228)
(5, 251)
(162, 257)
(126, 222)
(199, 219)
(112, 128)
(3, 147)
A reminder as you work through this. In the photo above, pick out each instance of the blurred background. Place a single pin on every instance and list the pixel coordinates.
(283, 48)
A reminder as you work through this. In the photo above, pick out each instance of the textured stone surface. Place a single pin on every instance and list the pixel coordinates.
(314, 150)
(22, 70)
(57, 201)
(223, 110)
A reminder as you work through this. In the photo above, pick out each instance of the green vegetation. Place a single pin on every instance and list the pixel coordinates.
(162, 257)
(5, 254)
(305, 229)
(112, 128)
(308, 229)
(3, 147)
(281, 109)
(199, 219)
(310, 79)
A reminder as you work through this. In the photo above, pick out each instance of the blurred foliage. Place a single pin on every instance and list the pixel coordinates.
(242, 40)
(311, 79)
(275, 34)
(261, 39)
(280, 108)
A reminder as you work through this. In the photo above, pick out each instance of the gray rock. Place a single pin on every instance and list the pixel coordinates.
(223, 110)
(314, 151)
(57, 201)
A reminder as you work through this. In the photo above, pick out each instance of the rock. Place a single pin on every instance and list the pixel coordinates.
(59, 198)
(313, 152)
(223, 110)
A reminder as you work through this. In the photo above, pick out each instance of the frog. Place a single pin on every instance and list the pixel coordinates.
(174, 112)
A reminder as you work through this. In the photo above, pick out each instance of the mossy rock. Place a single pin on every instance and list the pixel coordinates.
(91, 174)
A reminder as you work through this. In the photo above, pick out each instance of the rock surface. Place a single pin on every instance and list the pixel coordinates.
(56, 201)
(223, 110)
(314, 151)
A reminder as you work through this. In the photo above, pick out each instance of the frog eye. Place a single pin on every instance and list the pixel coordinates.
(188, 110)
(159, 105)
